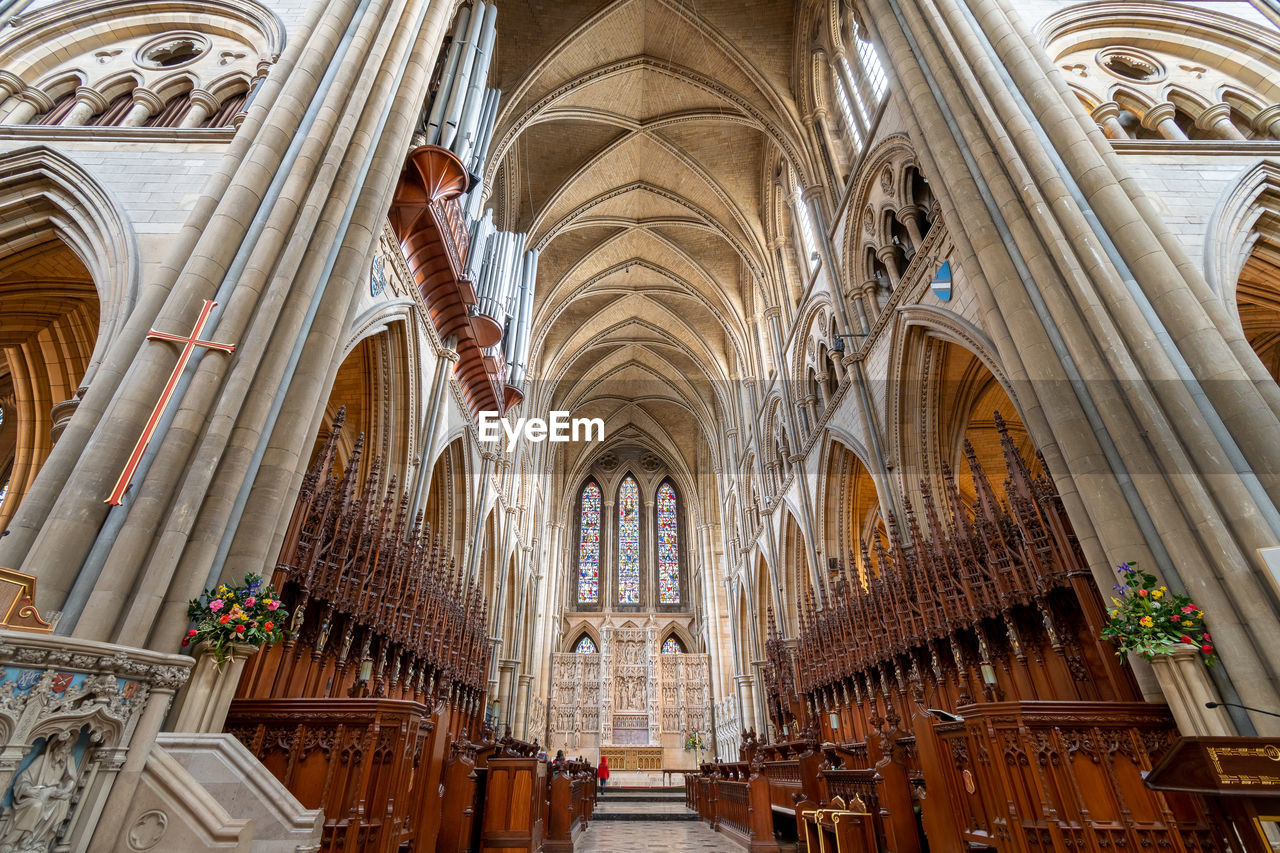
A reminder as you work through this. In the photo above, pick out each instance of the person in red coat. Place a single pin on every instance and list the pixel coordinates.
(602, 773)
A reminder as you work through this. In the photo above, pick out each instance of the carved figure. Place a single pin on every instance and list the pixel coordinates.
(41, 799)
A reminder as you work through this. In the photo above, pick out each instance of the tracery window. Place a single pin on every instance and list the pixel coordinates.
(672, 646)
(668, 546)
(629, 542)
(589, 545)
(585, 646)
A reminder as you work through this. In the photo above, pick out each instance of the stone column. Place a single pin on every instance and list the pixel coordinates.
(205, 699)
(31, 102)
(249, 244)
(908, 216)
(1052, 289)
(1268, 121)
(203, 105)
(871, 300)
(1160, 119)
(1107, 116)
(89, 102)
(1217, 120)
(1186, 687)
(146, 103)
(888, 255)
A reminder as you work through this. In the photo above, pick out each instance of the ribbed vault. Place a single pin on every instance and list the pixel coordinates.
(636, 146)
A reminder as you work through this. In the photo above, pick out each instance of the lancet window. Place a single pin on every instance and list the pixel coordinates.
(589, 545)
(629, 542)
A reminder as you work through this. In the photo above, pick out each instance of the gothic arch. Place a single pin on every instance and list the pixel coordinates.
(852, 511)
(678, 632)
(1242, 259)
(446, 503)
(373, 383)
(68, 267)
(1192, 57)
(578, 631)
(951, 387)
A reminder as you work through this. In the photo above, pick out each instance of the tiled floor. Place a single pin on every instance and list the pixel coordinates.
(606, 837)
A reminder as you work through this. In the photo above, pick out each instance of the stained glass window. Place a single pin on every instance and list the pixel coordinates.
(589, 546)
(629, 542)
(585, 646)
(672, 647)
(668, 547)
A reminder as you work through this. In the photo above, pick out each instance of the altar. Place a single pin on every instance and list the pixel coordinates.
(629, 701)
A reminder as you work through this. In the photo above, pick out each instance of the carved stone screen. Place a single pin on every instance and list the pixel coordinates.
(630, 695)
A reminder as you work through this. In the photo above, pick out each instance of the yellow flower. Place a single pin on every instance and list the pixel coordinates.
(1115, 612)
(1145, 622)
(1157, 593)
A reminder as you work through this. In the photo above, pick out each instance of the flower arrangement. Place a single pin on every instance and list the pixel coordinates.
(224, 616)
(693, 741)
(1150, 620)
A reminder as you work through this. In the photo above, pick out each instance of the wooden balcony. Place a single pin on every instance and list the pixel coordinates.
(432, 229)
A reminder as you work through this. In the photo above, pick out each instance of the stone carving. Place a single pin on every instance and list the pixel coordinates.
(629, 681)
(608, 461)
(650, 463)
(147, 830)
(70, 711)
(41, 798)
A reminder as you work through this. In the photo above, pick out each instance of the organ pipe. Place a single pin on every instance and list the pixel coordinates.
(466, 64)
(436, 117)
(469, 119)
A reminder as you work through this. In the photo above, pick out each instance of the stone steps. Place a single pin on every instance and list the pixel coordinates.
(642, 804)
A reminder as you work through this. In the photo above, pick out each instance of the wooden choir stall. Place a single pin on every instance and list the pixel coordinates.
(955, 695)
(372, 708)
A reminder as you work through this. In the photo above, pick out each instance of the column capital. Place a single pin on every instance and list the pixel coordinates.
(1104, 111)
(773, 312)
(42, 102)
(1160, 112)
(811, 193)
(204, 98)
(1214, 114)
(448, 354)
(149, 99)
(1263, 120)
(885, 252)
(10, 83)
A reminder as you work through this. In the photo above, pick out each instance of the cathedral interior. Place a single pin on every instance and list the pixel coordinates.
(780, 425)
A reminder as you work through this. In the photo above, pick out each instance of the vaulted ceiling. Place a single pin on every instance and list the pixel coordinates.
(636, 144)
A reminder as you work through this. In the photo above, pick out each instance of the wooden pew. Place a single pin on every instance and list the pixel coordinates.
(840, 829)
(571, 802)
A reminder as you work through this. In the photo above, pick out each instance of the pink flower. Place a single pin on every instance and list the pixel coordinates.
(250, 601)
(273, 605)
(192, 632)
(215, 605)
